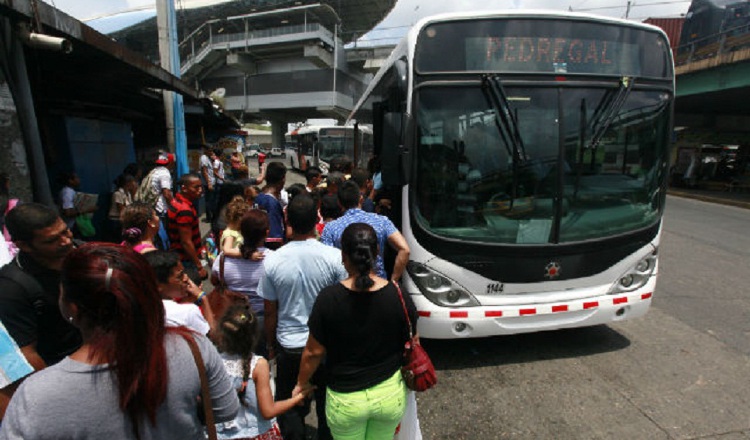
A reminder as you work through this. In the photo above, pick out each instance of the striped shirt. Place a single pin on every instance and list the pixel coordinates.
(182, 214)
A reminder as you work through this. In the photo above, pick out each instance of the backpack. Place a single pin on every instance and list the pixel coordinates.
(146, 191)
(33, 289)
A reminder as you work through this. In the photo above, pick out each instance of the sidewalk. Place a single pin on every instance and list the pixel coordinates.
(740, 199)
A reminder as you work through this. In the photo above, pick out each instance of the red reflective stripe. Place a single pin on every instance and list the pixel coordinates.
(620, 300)
(591, 305)
(424, 314)
(524, 312)
(559, 309)
(647, 295)
(459, 314)
(493, 314)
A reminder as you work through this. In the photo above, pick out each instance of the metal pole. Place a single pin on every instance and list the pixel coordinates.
(15, 62)
(162, 24)
(335, 61)
(170, 61)
(180, 135)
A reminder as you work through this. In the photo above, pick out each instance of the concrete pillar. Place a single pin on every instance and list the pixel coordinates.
(278, 130)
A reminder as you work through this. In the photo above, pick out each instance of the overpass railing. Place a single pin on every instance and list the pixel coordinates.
(211, 33)
(729, 40)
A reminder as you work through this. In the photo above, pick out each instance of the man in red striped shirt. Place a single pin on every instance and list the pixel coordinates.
(183, 227)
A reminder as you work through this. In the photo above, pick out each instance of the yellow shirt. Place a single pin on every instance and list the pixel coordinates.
(234, 234)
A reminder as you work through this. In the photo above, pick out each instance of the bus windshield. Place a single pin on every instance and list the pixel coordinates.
(479, 179)
(335, 145)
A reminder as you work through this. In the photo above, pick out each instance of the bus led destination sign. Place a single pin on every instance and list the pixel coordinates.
(558, 50)
(543, 54)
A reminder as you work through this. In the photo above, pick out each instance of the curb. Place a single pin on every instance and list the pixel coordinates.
(710, 199)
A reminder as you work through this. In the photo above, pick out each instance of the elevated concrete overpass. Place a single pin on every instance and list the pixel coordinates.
(713, 85)
(285, 65)
(279, 60)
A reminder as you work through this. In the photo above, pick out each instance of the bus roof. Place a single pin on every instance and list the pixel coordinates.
(407, 44)
(525, 13)
(315, 129)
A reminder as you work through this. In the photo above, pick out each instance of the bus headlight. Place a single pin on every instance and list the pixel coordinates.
(636, 276)
(438, 288)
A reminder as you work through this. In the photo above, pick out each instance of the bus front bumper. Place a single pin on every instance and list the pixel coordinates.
(477, 322)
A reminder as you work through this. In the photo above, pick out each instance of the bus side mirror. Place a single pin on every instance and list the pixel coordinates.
(400, 73)
(391, 149)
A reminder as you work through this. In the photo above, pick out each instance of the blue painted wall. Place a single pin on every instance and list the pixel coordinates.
(96, 150)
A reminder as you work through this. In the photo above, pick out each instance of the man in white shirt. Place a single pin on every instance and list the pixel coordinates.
(162, 182)
(218, 169)
(293, 277)
(209, 181)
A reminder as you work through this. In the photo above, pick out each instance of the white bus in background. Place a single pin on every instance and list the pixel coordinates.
(527, 156)
(317, 145)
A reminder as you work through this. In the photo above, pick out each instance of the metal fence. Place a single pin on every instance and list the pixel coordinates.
(729, 40)
(211, 33)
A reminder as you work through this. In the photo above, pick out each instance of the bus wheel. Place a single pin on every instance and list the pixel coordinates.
(291, 162)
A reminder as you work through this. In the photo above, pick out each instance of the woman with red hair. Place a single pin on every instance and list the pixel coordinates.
(132, 378)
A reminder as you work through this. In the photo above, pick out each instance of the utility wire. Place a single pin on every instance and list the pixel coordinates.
(634, 5)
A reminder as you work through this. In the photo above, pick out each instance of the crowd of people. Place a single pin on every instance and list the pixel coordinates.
(110, 339)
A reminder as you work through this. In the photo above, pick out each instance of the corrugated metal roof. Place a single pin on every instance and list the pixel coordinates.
(671, 26)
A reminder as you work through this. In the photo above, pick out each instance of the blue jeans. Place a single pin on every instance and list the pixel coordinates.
(162, 236)
(369, 414)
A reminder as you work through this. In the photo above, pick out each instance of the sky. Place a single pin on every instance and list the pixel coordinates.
(403, 15)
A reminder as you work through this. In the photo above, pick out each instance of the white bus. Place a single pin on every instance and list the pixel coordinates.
(316, 145)
(527, 155)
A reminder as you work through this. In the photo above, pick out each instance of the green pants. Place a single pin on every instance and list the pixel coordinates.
(370, 414)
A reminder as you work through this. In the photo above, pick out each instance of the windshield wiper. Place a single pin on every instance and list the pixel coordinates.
(604, 115)
(607, 112)
(506, 124)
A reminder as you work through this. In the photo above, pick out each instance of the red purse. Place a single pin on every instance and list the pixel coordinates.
(418, 371)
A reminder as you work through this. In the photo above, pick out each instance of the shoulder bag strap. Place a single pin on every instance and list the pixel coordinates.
(406, 313)
(34, 290)
(222, 282)
(208, 410)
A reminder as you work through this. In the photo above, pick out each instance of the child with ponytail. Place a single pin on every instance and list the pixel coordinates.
(256, 420)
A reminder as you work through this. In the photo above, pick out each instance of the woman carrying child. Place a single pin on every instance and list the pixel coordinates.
(240, 331)
(242, 273)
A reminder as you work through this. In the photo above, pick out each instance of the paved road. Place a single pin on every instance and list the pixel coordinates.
(679, 373)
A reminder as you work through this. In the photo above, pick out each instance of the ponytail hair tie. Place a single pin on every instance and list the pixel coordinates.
(132, 233)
